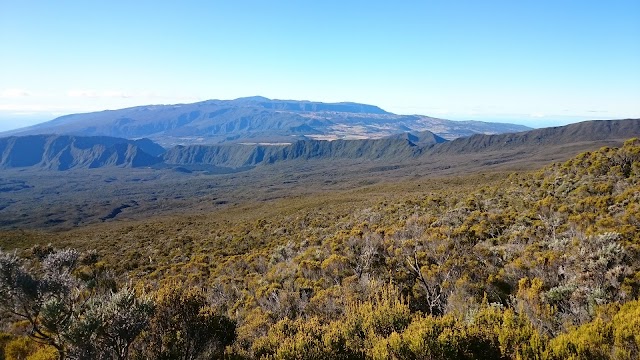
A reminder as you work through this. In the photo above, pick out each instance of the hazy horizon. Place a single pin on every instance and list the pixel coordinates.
(534, 63)
(9, 123)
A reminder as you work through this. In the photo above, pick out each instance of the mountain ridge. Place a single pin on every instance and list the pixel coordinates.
(62, 152)
(255, 119)
(594, 130)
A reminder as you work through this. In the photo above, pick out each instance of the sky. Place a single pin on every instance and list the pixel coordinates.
(533, 62)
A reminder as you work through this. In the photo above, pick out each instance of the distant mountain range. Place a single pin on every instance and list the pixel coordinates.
(256, 120)
(63, 152)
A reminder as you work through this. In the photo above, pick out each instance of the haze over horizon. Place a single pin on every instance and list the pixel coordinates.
(534, 63)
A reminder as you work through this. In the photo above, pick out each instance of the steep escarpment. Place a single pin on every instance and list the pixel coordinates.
(394, 148)
(60, 152)
(229, 155)
(587, 131)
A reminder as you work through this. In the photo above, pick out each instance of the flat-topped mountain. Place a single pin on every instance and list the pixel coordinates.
(256, 120)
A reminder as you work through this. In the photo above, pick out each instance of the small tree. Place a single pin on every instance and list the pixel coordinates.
(46, 296)
(108, 325)
(68, 313)
(185, 326)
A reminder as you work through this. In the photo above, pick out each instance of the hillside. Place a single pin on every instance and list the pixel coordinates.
(586, 131)
(529, 265)
(255, 120)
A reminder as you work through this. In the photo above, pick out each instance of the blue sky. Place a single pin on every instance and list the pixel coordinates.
(533, 62)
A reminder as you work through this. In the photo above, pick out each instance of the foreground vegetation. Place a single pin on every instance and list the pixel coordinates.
(537, 265)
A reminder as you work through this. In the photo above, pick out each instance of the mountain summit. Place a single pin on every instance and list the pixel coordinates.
(256, 120)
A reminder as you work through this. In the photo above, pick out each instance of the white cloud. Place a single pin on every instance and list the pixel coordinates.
(14, 93)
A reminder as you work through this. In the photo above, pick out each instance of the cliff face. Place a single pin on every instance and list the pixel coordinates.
(574, 133)
(59, 152)
(394, 148)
